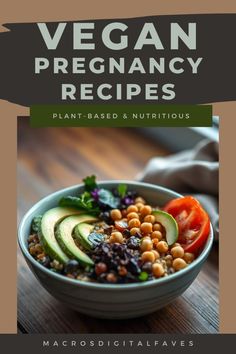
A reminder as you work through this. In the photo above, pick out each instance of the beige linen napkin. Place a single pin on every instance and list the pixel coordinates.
(194, 172)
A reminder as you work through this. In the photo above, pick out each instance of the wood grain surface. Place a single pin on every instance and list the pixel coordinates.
(52, 158)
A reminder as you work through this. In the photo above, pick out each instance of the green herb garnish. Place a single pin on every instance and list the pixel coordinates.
(83, 202)
(143, 276)
(122, 189)
(90, 183)
(36, 223)
(94, 198)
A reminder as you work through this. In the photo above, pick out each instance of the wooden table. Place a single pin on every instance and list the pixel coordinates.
(53, 158)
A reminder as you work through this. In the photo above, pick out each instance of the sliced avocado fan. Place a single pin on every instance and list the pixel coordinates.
(47, 231)
(64, 232)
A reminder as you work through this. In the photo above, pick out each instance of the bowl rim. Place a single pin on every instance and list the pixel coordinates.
(101, 286)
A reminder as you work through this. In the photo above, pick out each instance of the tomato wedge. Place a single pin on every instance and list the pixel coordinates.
(192, 220)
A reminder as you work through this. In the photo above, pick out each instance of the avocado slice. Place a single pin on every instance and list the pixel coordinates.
(170, 225)
(47, 228)
(64, 237)
(87, 237)
(82, 231)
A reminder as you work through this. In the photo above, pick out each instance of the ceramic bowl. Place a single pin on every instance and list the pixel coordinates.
(118, 301)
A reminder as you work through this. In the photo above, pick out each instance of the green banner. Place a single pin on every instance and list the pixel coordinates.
(91, 115)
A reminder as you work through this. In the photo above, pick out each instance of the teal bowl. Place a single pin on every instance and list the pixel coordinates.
(118, 301)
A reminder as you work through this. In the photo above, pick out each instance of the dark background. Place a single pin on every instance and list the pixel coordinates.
(214, 82)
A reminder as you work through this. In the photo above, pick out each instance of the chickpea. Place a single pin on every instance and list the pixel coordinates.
(158, 270)
(146, 210)
(157, 227)
(139, 206)
(188, 257)
(31, 239)
(134, 223)
(115, 214)
(150, 218)
(148, 256)
(56, 265)
(132, 209)
(156, 254)
(177, 252)
(162, 247)
(132, 215)
(168, 257)
(146, 227)
(134, 231)
(38, 248)
(157, 234)
(139, 200)
(41, 255)
(168, 260)
(179, 263)
(146, 244)
(116, 237)
(35, 249)
(100, 268)
(31, 244)
(163, 262)
(176, 244)
(155, 242)
(111, 278)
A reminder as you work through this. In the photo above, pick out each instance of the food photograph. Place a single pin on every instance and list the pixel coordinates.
(117, 230)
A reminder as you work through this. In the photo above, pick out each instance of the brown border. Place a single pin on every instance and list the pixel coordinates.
(28, 11)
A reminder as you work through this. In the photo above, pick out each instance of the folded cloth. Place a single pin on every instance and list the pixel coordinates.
(194, 172)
